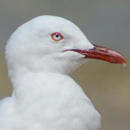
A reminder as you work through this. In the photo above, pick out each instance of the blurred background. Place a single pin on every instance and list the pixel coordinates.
(106, 23)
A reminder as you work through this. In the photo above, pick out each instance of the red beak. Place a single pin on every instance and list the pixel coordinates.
(102, 53)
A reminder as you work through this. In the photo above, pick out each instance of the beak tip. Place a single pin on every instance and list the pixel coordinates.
(125, 63)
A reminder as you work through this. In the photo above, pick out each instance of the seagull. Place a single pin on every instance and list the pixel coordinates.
(41, 56)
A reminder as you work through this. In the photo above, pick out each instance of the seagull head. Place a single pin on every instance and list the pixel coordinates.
(54, 44)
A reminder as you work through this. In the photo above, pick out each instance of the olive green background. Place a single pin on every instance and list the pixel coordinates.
(106, 23)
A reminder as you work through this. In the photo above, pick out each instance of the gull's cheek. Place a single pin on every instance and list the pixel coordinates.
(70, 55)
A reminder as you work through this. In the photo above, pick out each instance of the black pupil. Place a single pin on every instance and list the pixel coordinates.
(57, 35)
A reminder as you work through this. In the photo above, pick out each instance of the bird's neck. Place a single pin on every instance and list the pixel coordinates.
(37, 94)
(34, 92)
(26, 82)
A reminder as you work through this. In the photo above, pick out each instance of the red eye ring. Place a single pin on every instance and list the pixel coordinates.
(56, 36)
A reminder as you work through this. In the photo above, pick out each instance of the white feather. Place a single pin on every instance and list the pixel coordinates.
(45, 97)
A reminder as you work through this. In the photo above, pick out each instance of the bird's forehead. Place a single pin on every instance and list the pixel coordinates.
(53, 23)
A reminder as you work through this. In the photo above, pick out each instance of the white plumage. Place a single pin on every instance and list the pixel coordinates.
(45, 97)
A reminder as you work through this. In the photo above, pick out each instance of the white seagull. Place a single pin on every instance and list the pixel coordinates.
(41, 56)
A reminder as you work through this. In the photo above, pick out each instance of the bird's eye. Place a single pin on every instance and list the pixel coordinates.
(56, 36)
